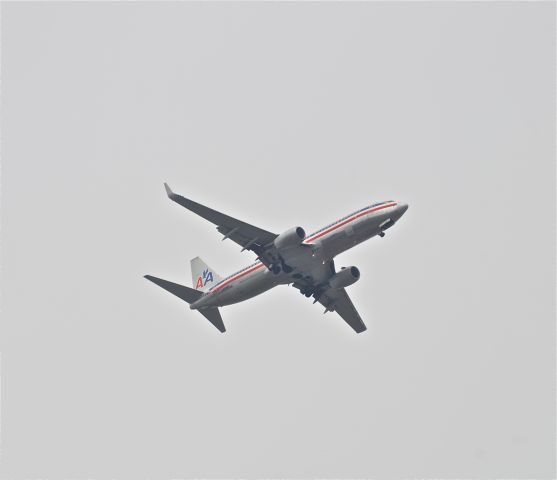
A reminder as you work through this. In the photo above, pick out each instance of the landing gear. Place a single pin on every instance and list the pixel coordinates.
(306, 291)
(381, 234)
(280, 266)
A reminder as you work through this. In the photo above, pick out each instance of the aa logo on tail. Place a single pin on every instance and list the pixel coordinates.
(206, 277)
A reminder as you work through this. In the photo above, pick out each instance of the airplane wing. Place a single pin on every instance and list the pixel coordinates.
(244, 234)
(335, 300)
(338, 300)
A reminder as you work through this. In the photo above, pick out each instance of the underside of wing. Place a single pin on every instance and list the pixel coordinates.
(337, 300)
(333, 299)
(247, 236)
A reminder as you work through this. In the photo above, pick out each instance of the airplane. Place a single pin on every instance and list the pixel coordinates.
(292, 257)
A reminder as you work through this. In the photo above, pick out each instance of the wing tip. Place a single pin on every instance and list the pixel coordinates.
(173, 196)
(169, 191)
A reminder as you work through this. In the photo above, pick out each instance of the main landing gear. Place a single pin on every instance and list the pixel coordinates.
(276, 268)
(308, 292)
(316, 292)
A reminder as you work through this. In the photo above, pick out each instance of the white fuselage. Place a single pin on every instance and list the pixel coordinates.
(312, 259)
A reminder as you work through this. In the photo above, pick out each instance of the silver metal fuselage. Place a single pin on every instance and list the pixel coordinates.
(311, 257)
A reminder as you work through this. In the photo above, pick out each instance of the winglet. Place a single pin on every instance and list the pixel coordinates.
(169, 192)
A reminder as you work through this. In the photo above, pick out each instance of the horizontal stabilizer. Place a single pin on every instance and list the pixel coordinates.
(185, 293)
(213, 315)
(190, 295)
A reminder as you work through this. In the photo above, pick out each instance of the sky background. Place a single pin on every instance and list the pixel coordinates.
(281, 115)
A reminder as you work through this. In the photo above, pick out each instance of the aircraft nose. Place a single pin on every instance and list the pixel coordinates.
(401, 208)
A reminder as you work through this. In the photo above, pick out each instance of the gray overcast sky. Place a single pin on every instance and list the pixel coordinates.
(282, 115)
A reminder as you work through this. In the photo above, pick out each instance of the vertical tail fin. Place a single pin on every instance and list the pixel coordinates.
(203, 277)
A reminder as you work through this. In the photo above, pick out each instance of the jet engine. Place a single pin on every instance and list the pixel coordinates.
(344, 277)
(290, 238)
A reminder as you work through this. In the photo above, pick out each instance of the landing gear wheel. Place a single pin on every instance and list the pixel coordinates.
(275, 269)
(285, 268)
(381, 234)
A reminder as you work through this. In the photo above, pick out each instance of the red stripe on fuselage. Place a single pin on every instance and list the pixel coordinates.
(222, 285)
(256, 267)
(348, 221)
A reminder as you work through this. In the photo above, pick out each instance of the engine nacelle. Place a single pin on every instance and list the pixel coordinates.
(292, 237)
(344, 277)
